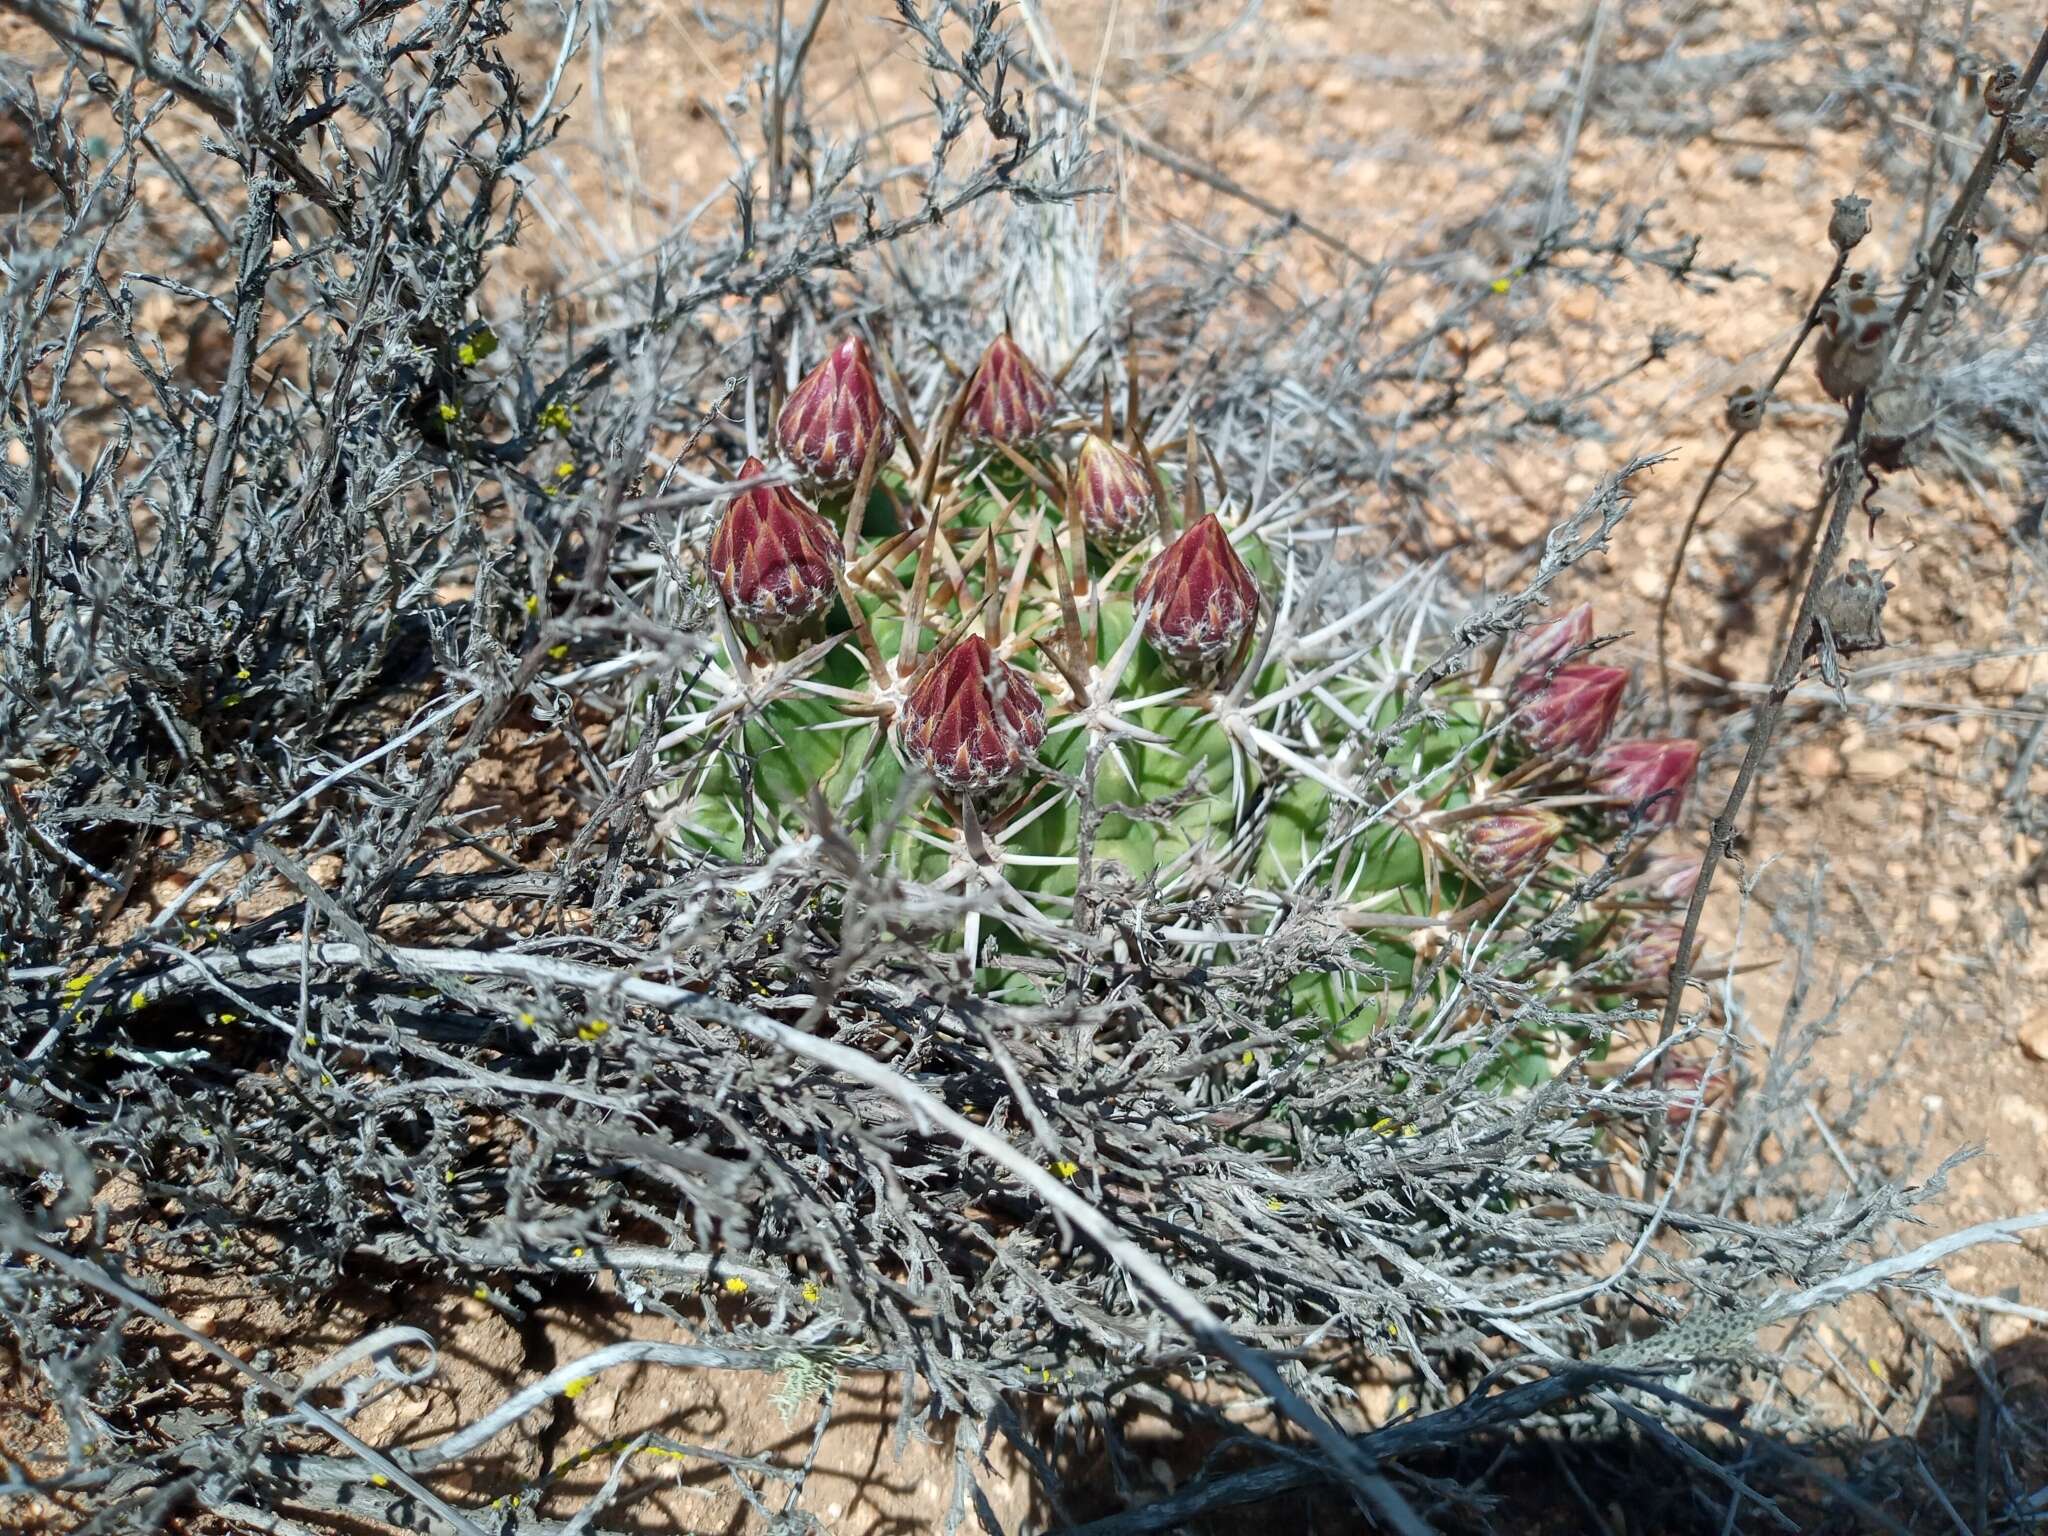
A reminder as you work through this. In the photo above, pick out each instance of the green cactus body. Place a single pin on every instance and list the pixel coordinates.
(1248, 801)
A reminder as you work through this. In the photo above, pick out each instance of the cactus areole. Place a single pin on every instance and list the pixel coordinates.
(1022, 697)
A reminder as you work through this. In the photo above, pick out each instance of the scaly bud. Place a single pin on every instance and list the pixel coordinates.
(1572, 712)
(1534, 651)
(1204, 603)
(772, 556)
(1008, 399)
(1113, 494)
(1651, 776)
(973, 720)
(1692, 1092)
(1503, 847)
(1651, 950)
(830, 418)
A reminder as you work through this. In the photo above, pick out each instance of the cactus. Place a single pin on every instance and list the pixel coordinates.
(1029, 672)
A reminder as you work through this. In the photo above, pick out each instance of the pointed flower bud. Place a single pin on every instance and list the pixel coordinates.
(1504, 847)
(1652, 776)
(1008, 399)
(772, 556)
(1204, 603)
(973, 720)
(1534, 651)
(1572, 712)
(1696, 1091)
(1667, 880)
(1650, 950)
(830, 418)
(1113, 494)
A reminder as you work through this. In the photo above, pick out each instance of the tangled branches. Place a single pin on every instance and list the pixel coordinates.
(350, 588)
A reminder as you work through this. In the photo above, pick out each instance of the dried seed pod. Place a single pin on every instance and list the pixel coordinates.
(1849, 223)
(1530, 654)
(1205, 603)
(1898, 420)
(1848, 618)
(2026, 140)
(831, 418)
(1652, 776)
(1008, 400)
(2002, 95)
(1855, 327)
(973, 721)
(772, 556)
(1571, 712)
(1505, 846)
(1745, 412)
(1113, 494)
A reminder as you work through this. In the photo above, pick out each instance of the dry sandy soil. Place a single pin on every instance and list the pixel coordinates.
(1384, 121)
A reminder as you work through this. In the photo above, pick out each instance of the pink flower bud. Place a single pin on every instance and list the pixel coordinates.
(1572, 712)
(830, 418)
(772, 556)
(973, 720)
(1683, 1080)
(1533, 652)
(1650, 950)
(1669, 880)
(1008, 399)
(1204, 603)
(1505, 846)
(1652, 776)
(1113, 494)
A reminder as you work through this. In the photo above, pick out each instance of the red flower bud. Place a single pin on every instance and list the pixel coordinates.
(1695, 1091)
(1008, 399)
(973, 720)
(1532, 652)
(772, 556)
(1684, 1081)
(1204, 603)
(830, 418)
(1572, 712)
(1650, 950)
(1113, 494)
(1505, 846)
(1652, 776)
